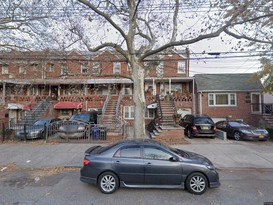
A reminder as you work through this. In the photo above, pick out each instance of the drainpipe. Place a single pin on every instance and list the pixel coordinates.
(193, 97)
(200, 105)
(170, 84)
(154, 87)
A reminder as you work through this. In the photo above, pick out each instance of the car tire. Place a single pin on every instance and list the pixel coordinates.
(237, 136)
(108, 183)
(189, 134)
(196, 183)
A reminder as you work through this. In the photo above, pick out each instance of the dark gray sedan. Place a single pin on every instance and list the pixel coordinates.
(147, 164)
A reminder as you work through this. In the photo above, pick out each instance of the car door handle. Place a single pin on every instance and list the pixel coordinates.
(149, 163)
(117, 162)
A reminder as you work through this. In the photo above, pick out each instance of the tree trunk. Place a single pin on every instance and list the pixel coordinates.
(139, 101)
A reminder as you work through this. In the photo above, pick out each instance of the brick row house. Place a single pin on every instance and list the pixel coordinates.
(73, 81)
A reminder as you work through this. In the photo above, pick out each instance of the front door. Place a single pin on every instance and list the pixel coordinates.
(255, 102)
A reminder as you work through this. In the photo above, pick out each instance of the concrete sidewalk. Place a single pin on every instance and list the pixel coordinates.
(224, 154)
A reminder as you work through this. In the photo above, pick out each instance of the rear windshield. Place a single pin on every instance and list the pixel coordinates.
(203, 120)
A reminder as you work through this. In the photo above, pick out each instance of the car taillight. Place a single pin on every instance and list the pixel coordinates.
(194, 127)
(86, 162)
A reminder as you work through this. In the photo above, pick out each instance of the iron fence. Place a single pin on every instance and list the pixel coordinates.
(60, 131)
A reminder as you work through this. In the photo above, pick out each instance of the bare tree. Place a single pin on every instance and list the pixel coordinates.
(24, 24)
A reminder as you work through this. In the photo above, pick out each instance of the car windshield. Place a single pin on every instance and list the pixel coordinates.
(80, 117)
(203, 120)
(238, 124)
(41, 122)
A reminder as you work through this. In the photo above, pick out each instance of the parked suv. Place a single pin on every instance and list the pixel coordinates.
(198, 125)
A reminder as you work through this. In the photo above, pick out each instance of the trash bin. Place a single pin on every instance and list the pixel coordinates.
(95, 133)
(103, 133)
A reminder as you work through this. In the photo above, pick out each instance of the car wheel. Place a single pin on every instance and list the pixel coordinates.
(189, 133)
(108, 183)
(237, 136)
(197, 183)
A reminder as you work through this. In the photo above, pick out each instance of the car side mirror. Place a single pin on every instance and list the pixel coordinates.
(173, 159)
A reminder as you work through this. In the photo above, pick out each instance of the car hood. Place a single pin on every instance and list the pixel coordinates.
(192, 156)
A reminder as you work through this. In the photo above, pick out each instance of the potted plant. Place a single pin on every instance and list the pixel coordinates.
(176, 117)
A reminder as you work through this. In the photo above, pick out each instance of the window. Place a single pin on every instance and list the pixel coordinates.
(222, 99)
(155, 153)
(96, 68)
(22, 70)
(129, 112)
(64, 69)
(51, 67)
(84, 69)
(149, 113)
(128, 152)
(117, 68)
(127, 90)
(129, 68)
(34, 66)
(181, 67)
(160, 70)
(5, 69)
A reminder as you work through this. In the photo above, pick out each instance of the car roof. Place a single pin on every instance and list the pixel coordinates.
(138, 142)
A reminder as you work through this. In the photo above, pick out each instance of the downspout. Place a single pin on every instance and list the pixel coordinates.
(201, 103)
(193, 97)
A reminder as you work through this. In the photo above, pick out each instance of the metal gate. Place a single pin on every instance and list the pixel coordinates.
(75, 131)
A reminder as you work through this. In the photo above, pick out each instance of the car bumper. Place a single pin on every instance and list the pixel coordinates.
(88, 180)
(28, 136)
(68, 135)
(254, 137)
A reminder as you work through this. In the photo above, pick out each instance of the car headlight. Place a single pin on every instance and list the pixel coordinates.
(265, 132)
(81, 128)
(246, 131)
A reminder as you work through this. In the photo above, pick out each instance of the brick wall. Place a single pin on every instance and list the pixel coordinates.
(241, 111)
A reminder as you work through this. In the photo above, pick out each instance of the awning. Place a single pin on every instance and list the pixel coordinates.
(68, 105)
(152, 106)
(15, 106)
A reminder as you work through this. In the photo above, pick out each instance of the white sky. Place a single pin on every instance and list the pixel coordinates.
(225, 63)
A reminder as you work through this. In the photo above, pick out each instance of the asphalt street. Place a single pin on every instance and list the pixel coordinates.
(224, 154)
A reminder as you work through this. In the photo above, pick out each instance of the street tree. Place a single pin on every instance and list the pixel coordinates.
(25, 24)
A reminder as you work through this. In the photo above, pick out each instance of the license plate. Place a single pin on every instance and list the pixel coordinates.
(261, 137)
(205, 128)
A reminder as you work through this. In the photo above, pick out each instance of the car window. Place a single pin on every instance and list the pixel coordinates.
(41, 122)
(155, 153)
(203, 120)
(82, 117)
(238, 124)
(128, 152)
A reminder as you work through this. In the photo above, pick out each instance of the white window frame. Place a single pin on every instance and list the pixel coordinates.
(129, 68)
(51, 67)
(84, 69)
(96, 68)
(212, 99)
(149, 113)
(181, 67)
(5, 69)
(22, 70)
(130, 110)
(64, 69)
(116, 67)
